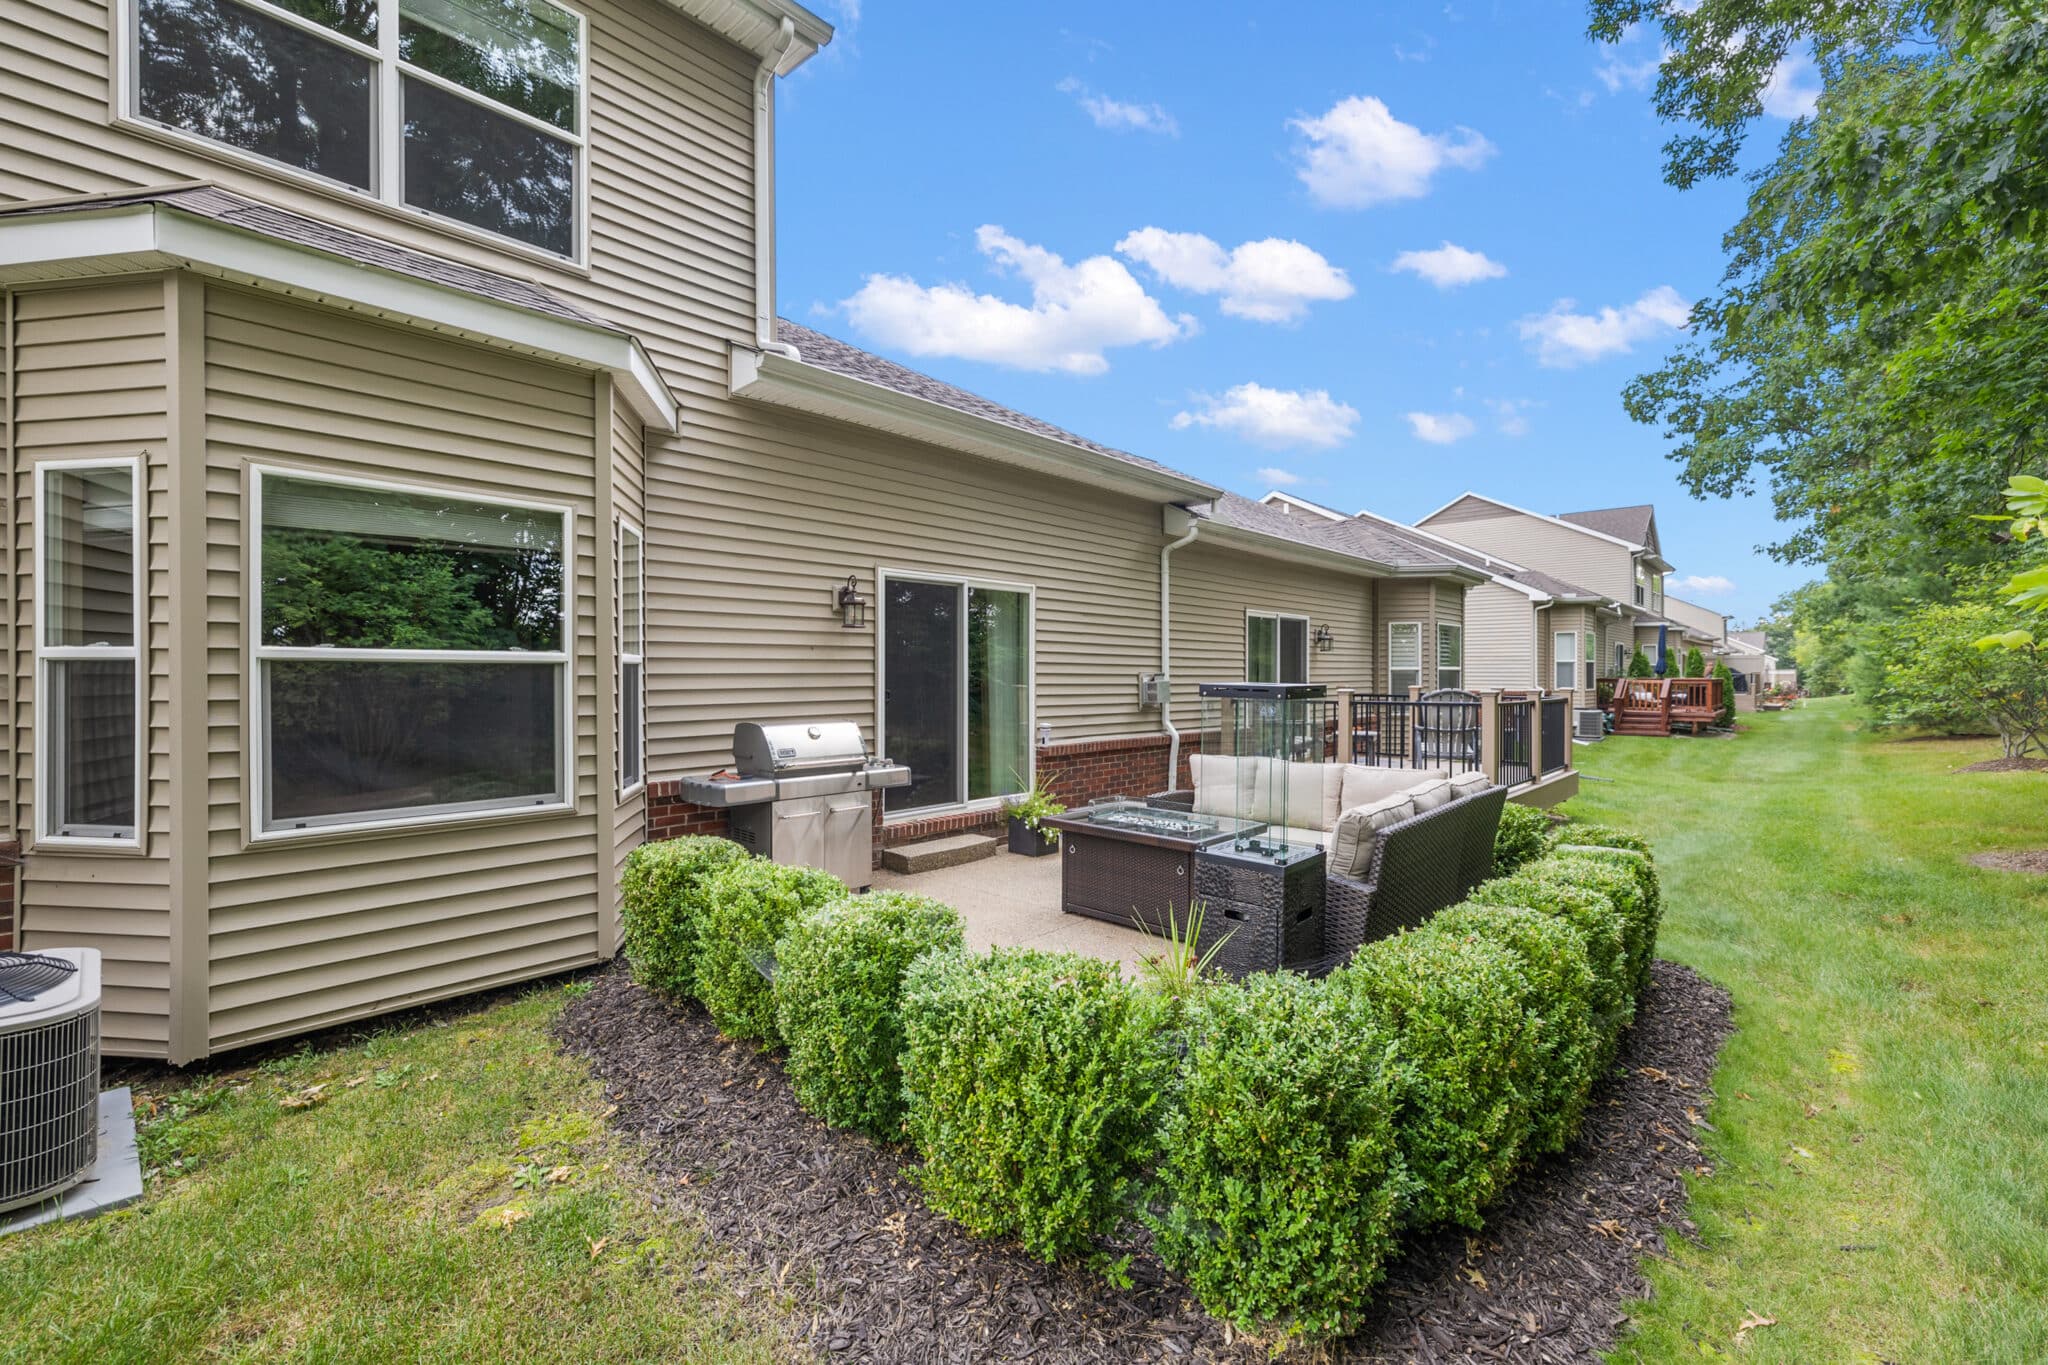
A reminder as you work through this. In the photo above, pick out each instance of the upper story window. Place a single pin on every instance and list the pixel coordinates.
(1642, 585)
(471, 110)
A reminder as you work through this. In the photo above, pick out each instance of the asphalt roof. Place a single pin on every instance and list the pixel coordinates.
(233, 210)
(1631, 524)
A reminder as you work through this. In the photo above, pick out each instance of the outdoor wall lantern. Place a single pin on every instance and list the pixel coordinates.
(1325, 641)
(853, 608)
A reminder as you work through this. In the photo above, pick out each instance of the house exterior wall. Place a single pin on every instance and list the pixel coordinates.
(1500, 638)
(1399, 600)
(1573, 555)
(1711, 624)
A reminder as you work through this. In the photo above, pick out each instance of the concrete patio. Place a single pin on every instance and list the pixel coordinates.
(1014, 902)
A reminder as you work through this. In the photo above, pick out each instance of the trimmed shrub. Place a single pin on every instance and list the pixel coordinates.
(1031, 1080)
(1553, 951)
(661, 907)
(1599, 836)
(1521, 837)
(1280, 1171)
(747, 907)
(1541, 887)
(1629, 880)
(1457, 1007)
(838, 1003)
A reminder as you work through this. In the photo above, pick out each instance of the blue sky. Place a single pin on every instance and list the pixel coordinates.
(1216, 236)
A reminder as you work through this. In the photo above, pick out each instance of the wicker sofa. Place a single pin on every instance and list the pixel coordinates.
(1420, 865)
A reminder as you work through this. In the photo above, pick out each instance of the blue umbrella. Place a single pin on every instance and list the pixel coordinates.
(1663, 660)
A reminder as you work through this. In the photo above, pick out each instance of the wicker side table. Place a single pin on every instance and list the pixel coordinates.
(1271, 909)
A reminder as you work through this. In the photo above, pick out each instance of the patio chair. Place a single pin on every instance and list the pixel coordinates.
(1447, 730)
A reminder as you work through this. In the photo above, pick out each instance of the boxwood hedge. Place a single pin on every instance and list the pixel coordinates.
(1521, 837)
(838, 1002)
(1031, 1080)
(1280, 1178)
(1599, 836)
(1458, 1006)
(1541, 887)
(1602, 870)
(747, 907)
(661, 908)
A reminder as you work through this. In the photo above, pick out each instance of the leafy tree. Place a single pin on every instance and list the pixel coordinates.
(1695, 665)
(1727, 681)
(1639, 664)
(2027, 499)
(1935, 677)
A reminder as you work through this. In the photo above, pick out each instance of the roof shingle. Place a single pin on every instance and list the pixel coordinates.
(1631, 524)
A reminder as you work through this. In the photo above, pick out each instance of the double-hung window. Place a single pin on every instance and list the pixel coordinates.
(470, 110)
(1404, 656)
(1450, 655)
(1564, 659)
(88, 636)
(632, 659)
(411, 654)
(1642, 585)
(1275, 648)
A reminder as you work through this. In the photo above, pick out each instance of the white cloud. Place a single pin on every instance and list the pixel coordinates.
(1449, 266)
(1508, 414)
(1360, 154)
(1076, 312)
(1274, 418)
(1440, 428)
(1563, 338)
(1279, 478)
(1273, 280)
(1120, 116)
(1706, 585)
(1618, 73)
(1793, 90)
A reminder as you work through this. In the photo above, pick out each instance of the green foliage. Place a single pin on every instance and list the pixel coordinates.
(1695, 665)
(1460, 1008)
(1280, 1174)
(1032, 1079)
(838, 1003)
(1587, 835)
(1602, 871)
(2026, 501)
(1726, 678)
(1935, 677)
(1522, 835)
(661, 908)
(748, 906)
(1035, 805)
(1568, 1043)
(1639, 665)
(1178, 968)
(1543, 887)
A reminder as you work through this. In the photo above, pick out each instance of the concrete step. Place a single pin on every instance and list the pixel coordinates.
(929, 855)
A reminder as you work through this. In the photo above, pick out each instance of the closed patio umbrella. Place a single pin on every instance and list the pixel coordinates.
(1663, 658)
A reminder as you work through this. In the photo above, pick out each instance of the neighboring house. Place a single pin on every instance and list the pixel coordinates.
(285, 300)
(1755, 667)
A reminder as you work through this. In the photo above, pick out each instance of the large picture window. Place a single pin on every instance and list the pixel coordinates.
(88, 653)
(632, 660)
(1404, 656)
(1450, 655)
(471, 110)
(411, 653)
(1275, 648)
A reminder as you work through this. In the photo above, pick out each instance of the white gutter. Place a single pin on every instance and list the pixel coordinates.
(764, 190)
(1174, 518)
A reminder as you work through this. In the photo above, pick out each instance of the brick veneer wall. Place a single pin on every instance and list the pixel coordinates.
(10, 854)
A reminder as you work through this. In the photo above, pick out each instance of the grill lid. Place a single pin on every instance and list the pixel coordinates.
(776, 750)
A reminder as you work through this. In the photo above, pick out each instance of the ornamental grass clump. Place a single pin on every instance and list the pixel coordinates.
(838, 996)
(1542, 887)
(661, 908)
(1032, 1080)
(1597, 870)
(1280, 1178)
(1521, 837)
(1458, 1007)
(748, 907)
(1568, 1044)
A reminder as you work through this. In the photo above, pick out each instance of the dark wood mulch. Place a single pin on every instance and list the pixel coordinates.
(2022, 860)
(831, 1219)
(2007, 765)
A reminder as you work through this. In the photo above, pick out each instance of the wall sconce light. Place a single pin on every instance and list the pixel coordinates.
(853, 608)
(1325, 641)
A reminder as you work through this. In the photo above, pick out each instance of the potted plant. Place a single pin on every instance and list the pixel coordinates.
(1028, 835)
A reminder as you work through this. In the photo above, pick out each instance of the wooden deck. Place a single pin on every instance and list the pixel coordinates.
(1656, 706)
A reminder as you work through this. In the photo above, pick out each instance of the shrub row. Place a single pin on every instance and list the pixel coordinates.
(1276, 1135)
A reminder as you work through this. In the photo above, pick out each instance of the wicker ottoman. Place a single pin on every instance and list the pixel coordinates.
(1271, 909)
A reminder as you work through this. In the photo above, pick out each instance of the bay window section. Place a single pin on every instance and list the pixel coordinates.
(1564, 659)
(1404, 656)
(632, 657)
(1450, 656)
(470, 110)
(88, 635)
(411, 654)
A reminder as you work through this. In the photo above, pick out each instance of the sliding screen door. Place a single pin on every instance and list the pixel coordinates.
(956, 691)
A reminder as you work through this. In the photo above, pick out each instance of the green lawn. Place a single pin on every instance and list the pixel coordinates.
(1881, 1160)
(446, 1192)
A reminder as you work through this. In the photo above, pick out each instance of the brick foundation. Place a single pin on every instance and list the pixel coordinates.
(10, 874)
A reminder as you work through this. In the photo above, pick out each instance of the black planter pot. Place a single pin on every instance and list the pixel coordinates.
(1032, 843)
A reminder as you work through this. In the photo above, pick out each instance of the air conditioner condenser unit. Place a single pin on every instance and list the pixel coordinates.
(1589, 723)
(49, 1072)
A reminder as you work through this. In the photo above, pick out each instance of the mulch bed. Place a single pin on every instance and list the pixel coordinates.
(2008, 765)
(2028, 860)
(830, 1218)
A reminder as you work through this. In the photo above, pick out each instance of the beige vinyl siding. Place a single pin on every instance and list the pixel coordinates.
(1500, 638)
(1213, 588)
(1576, 556)
(1711, 624)
(1582, 620)
(86, 377)
(629, 817)
(306, 933)
(1405, 599)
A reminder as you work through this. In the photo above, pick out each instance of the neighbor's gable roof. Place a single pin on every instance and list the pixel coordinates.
(1285, 501)
(1636, 525)
(1386, 555)
(1523, 511)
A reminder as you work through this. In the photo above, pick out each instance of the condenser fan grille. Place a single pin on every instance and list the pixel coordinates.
(24, 976)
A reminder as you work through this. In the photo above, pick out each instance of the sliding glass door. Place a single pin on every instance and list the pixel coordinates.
(956, 690)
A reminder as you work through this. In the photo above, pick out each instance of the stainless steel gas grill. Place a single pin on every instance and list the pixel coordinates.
(800, 794)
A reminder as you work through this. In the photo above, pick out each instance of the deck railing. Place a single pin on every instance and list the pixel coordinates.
(1517, 720)
(1434, 731)
(1557, 720)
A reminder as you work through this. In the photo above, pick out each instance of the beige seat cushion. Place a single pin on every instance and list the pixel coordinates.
(1303, 795)
(1358, 832)
(1364, 785)
(1427, 796)
(1469, 784)
(1223, 785)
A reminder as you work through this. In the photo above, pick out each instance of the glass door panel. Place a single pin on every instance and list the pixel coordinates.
(998, 693)
(921, 697)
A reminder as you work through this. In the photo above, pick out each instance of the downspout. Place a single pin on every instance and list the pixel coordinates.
(1194, 528)
(764, 192)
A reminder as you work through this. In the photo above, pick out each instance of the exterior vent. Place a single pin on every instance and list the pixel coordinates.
(49, 1072)
(1589, 723)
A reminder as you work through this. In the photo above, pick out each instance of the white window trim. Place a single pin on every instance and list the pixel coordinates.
(1459, 629)
(1276, 617)
(883, 577)
(387, 152)
(631, 656)
(257, 741)
(1568, 657)
(1393, 626)
(46, 653)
